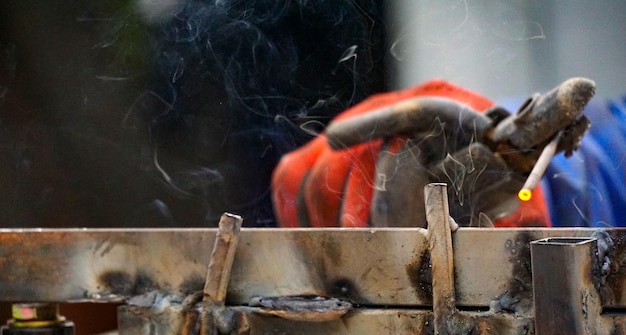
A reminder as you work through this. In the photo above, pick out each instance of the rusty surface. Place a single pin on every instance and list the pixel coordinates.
(380, 271)
(368, 266)
(320, 262)
(494, 265)
(137, 321)
(222, 257)
(215, 318)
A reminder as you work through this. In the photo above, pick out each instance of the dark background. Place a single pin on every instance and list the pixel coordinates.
(167, 113)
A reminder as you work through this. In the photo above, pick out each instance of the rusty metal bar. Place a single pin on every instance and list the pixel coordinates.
(222, 258)
(566, 300)
(441, 254)
(214, 314)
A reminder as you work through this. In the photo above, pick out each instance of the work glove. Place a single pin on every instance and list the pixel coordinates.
(370, 166)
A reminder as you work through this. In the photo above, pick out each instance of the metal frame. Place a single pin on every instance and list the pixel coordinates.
(393, 280)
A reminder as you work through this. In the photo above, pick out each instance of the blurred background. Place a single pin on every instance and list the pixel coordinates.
(508, 48)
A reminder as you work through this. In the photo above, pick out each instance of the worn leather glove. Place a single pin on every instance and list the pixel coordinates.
(370, 166)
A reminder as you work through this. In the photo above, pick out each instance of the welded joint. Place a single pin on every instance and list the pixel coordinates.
(604, 245)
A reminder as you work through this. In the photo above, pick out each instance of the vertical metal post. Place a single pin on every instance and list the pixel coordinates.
(215, 318)
(440, 248)
(566, 300)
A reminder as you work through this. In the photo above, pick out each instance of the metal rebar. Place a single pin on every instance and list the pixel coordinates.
(441, 254)
(218, 275)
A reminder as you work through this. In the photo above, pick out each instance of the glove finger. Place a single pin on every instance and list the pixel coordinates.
(324, 187)
(287, 180)
(406, 117)
(355, 211)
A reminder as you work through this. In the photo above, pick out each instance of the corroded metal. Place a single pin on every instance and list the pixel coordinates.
(222, 258)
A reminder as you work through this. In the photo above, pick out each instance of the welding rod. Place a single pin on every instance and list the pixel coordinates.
(539, 169)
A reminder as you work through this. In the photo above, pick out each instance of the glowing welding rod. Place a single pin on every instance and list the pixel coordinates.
(539, 169)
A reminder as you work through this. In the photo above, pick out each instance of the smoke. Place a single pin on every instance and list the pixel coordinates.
(240, 83)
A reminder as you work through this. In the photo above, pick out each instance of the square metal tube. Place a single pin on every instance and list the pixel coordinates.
(566, 300)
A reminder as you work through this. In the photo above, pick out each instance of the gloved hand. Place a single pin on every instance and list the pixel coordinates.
(371, 165)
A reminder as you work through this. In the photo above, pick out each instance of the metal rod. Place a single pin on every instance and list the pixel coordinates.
(218, 275)
(441, 254)
(222, 258)
(525, 194)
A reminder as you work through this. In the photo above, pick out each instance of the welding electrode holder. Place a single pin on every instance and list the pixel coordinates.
(543, 126)
(37, 319)
(539, 120)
